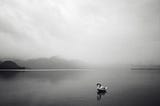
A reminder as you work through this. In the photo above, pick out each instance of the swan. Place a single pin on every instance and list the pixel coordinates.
(101, 88)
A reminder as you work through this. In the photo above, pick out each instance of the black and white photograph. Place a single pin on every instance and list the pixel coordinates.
(79, 52)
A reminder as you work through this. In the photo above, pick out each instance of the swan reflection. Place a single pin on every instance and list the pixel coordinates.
(100, 94)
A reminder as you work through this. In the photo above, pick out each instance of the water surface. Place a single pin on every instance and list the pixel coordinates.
(78, 88)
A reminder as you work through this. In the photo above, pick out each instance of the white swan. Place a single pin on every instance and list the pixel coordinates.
(101, 88)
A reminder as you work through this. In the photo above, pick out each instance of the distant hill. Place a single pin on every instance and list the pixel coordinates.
(52, 63)
(146, 67)
(10, 65)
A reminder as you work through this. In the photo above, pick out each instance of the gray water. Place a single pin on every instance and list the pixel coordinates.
(78, 88)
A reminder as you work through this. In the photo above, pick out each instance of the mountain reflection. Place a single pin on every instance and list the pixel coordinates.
(8, 74)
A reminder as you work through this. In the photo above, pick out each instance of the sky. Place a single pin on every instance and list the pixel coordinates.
(94, 31)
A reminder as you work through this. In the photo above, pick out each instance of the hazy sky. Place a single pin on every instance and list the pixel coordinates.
(97, 31)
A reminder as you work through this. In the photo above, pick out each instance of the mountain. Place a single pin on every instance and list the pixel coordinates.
(146, 67)
(52, 63)
(10, 65)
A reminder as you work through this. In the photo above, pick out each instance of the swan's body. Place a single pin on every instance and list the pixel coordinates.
(101, 88)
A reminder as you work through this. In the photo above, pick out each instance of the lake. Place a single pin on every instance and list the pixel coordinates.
(55, 87)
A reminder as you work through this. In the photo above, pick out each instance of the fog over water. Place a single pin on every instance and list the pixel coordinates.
(95, 31)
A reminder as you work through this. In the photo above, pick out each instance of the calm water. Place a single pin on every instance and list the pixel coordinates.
(78, 88)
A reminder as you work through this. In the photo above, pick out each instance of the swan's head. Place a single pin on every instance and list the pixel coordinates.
(98, 84)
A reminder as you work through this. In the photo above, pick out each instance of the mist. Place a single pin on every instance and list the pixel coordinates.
(94, 31)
